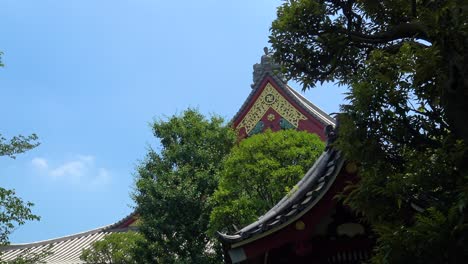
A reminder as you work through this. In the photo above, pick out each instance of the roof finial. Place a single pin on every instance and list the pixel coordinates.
(266, 65)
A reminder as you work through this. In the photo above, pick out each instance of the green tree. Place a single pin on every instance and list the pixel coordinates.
(258, 172)
(405, 63)
(172, 188)
(13, 210)
(115, 248)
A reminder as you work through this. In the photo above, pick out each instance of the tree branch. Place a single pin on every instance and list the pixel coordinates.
(406, 30)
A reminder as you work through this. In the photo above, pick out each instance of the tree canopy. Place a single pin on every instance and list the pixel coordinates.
(174, 184)
(13, 210)
(258, 172)
(115, 248)
(405, 63)
(331, 40)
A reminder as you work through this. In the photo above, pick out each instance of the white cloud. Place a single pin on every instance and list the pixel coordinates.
(103, 177)
(75, 168)
(86, 158)
(40, 163)
(80, 170)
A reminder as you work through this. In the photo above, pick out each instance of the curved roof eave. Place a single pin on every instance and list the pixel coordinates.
(309, 190)
(66, 249)
(112, 227)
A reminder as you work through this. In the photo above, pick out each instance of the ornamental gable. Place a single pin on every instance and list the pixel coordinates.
(271, 110)
(273, 104)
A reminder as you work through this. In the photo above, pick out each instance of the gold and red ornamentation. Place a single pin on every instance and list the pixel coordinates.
(270, 98)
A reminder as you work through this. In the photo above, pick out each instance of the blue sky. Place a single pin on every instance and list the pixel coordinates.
(88, 76)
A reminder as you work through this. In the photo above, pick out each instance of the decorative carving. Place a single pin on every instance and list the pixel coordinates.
(266, 66)
(270, 97)
(257, 129)
(331, 134)
(284, 124)
(271, 117)
(300, 225)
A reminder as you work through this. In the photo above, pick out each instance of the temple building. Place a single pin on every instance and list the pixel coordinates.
(307, 226)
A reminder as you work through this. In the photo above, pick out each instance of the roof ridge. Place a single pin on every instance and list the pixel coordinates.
(54, 240)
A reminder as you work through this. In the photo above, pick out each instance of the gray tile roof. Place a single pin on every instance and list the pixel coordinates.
(64, 250)
(312, 109)
(308, 192)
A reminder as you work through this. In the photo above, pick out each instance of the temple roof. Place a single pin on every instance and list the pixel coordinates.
(267, 68)
(67, 249)
(303, 197)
